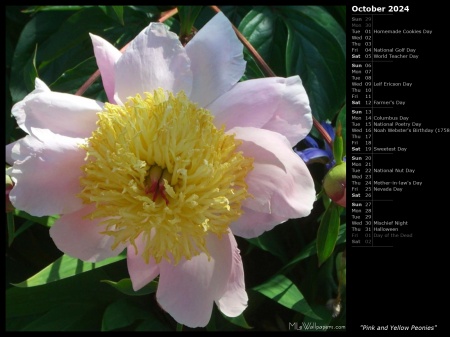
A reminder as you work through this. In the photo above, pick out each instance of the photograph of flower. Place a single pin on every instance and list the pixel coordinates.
(175, 168)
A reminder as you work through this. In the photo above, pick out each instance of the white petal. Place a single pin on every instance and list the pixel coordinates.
(106, 56)
(78, 236)
(280, 182)
(252, 224)
(40, 86)
(8, 153)
(64, 114)
(234, 300)
(187, 291)
(47, 174)
(275, 103)
(217, 61)
(154, 59)
(141, 273)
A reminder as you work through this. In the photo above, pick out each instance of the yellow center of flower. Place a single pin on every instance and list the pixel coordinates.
(159, 167)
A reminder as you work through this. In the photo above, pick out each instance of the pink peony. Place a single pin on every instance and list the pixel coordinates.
(181, 159)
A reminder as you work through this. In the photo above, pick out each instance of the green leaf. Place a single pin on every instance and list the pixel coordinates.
(46, 221)
(252, 69)
(272, 242)
(71, 44)
(72, 79)
(119, 13)
(238, 320)
(35, 9)
(10, 123)
(23, 227)
(122, 313)
(327, 233)
(316, 51)
(64, 267)
(66, 317)
(268, 35)
(313, 324)
(74, 32)
(30, 72)
(114, 12)
(34, 33)
(63, 42)
(84, 288)
(283, 291)
(235, 13)
(11, 227)
(309, 43)
(153, 324)
(188, 15)
(311, 250)
(339, 13)
(125, 286)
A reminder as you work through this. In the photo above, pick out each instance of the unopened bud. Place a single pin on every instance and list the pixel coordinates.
(335, 184)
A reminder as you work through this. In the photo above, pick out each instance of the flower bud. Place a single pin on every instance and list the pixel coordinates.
(335, 184)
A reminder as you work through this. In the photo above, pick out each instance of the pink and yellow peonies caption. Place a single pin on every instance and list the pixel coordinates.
(182, 158)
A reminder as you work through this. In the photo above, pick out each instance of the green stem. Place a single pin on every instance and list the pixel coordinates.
(179, 327)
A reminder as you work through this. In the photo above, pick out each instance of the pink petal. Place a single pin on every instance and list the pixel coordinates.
(235, 299)
(47, 174)
(78, 236)
(217, 60)
(106, 56)
(140, 272)
(187, 291)
(252, 223)
(64, 114)
(275, 103)
(280, 182)
(8, 153)
(154, 59)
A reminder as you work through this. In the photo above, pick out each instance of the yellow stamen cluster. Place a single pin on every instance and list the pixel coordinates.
(163, 139)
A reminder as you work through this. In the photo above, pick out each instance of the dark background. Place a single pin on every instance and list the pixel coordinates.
(404, 284)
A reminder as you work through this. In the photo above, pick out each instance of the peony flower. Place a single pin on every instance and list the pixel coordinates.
(181, 159)
(335, 184)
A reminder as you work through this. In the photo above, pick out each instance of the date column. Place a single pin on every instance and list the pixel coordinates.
(361, 131)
